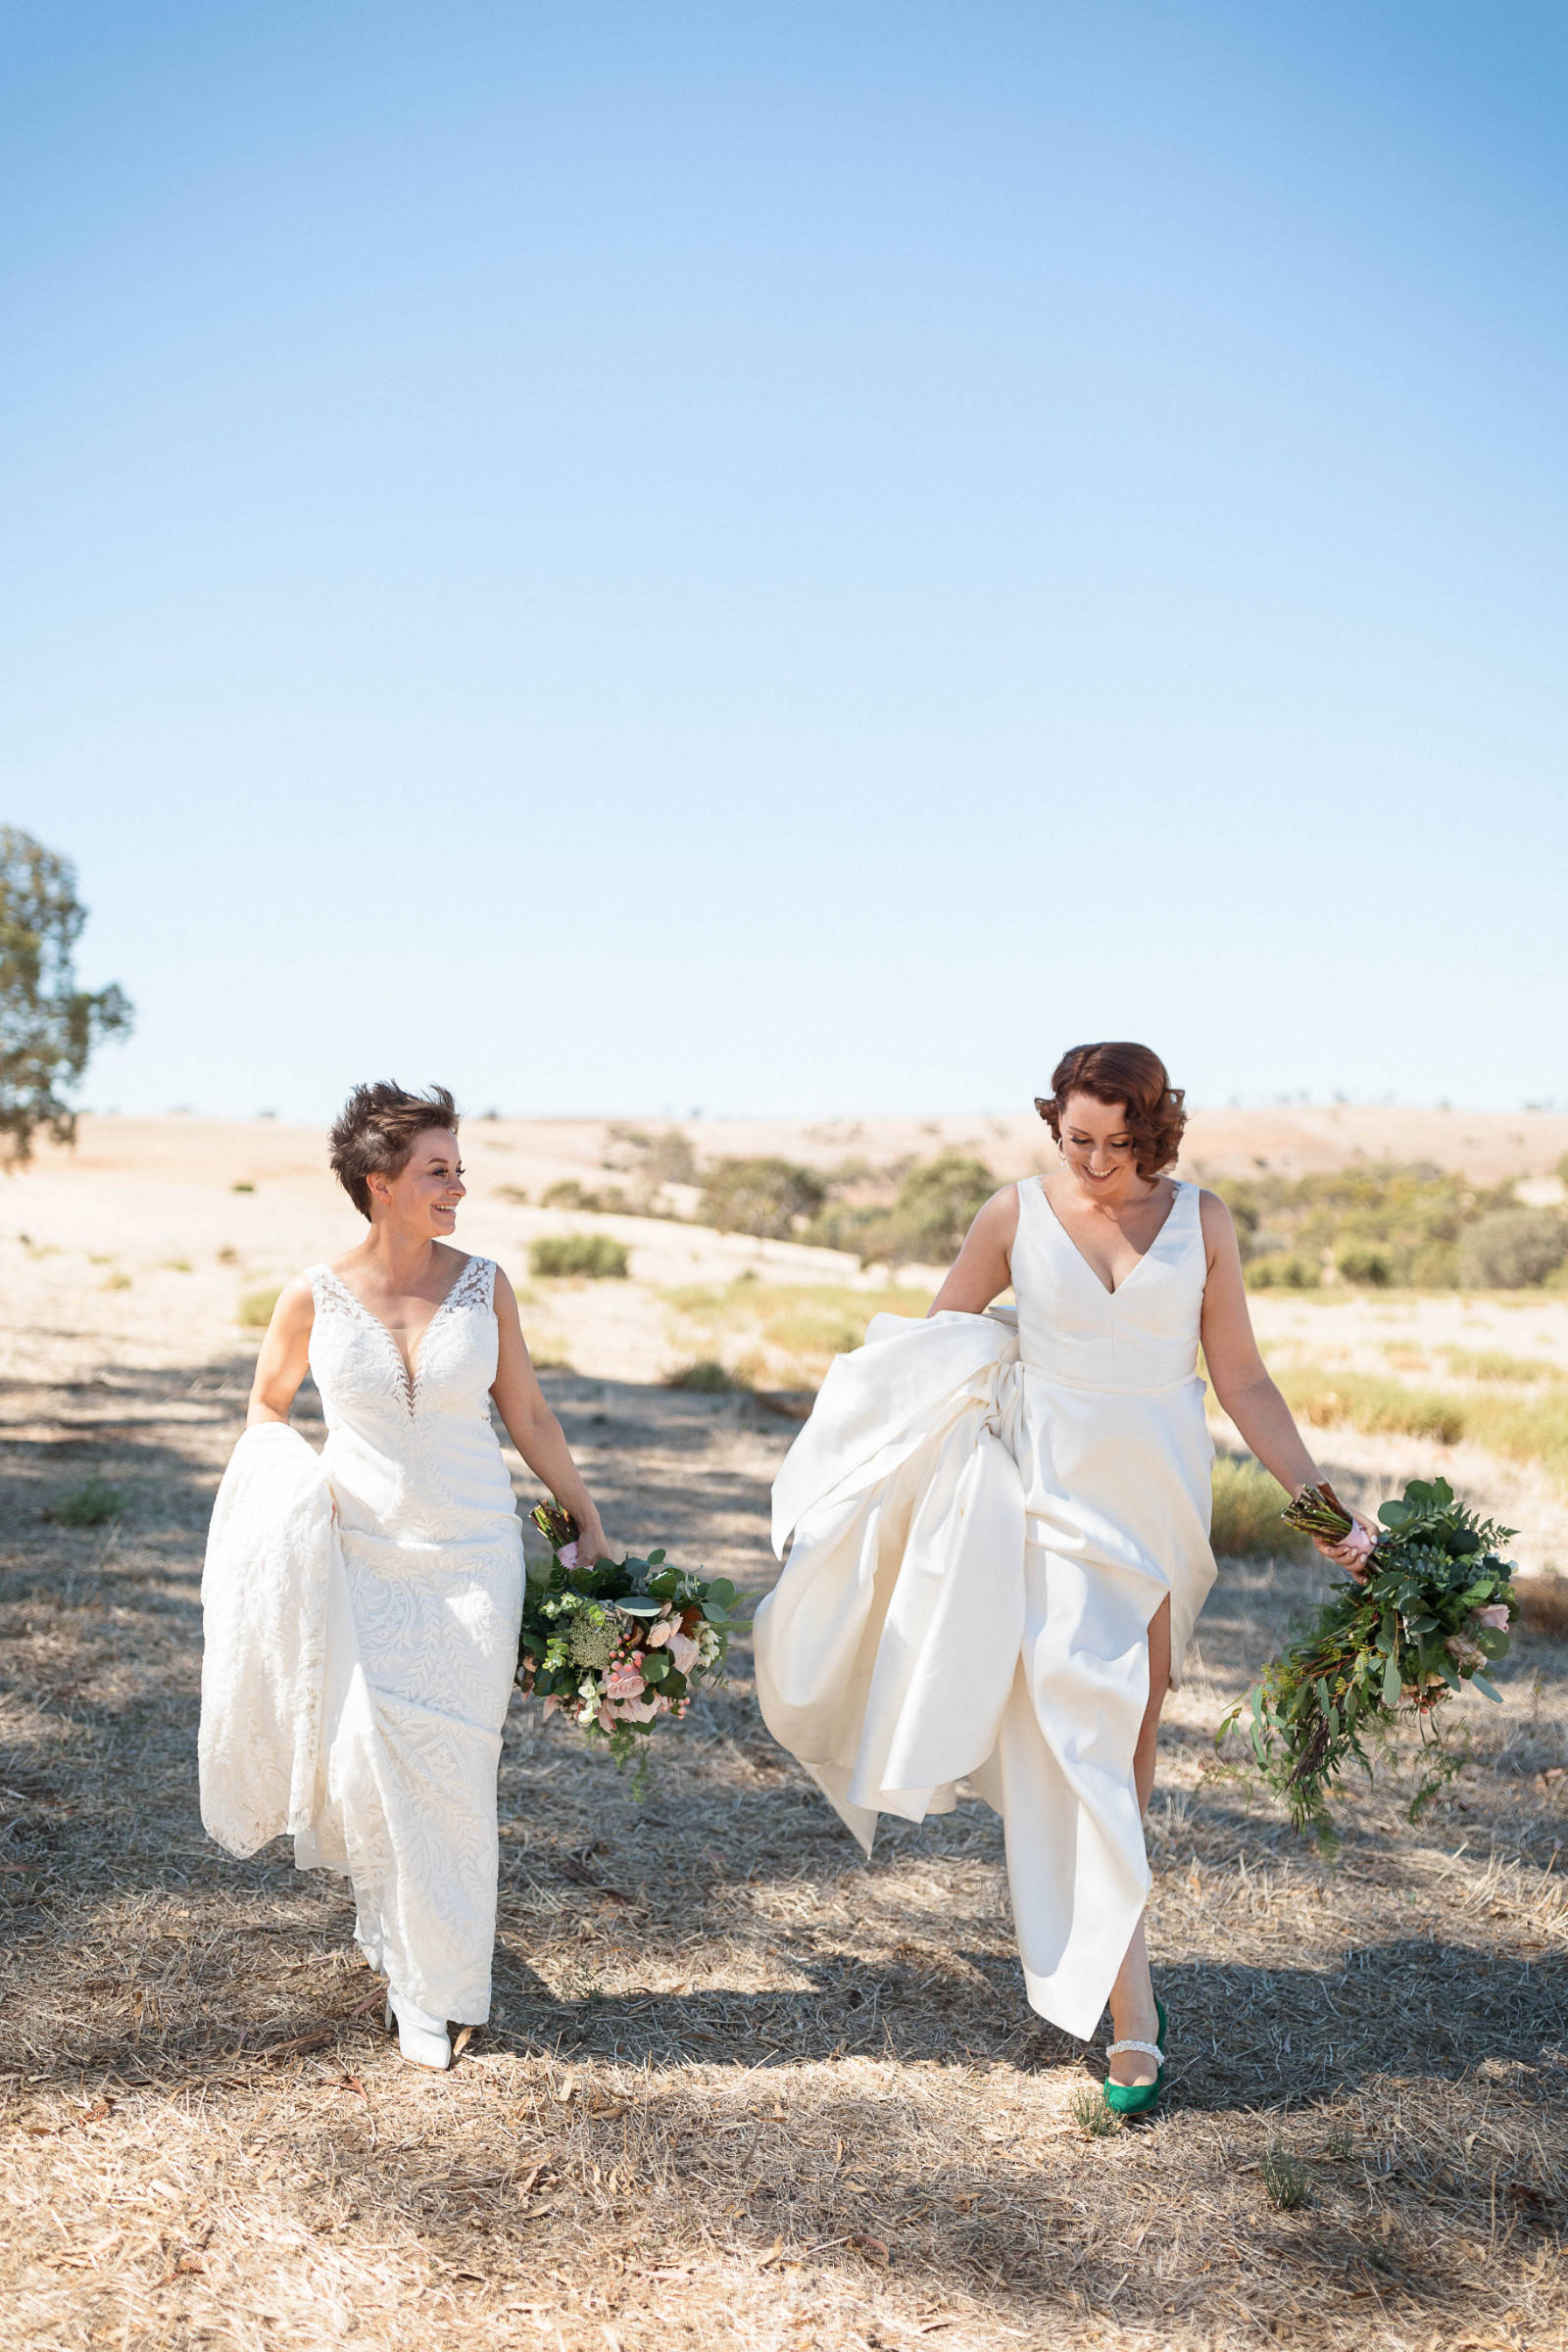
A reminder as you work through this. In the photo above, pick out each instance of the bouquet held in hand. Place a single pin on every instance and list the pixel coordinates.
(1431, 1612)
(618, 1644)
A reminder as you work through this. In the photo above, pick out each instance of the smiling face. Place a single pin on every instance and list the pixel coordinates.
(422, 1198)
(1097, 1148)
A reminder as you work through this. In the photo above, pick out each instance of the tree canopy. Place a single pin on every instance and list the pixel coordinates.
(49, 1027)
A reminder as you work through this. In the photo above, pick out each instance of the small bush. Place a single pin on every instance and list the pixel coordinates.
(116, 1282)
(1285, 1270)
(1088, 2112)
(242, 1188)
(1365, 1263)
(1512, 1248)
(569, 1194)
(1285, 2181)
(768, 1196)
(593, 1254)
(663, 1159)
(179, 1266)
(935, 1205)
(256, 1308)
(1248, 1503)
(707, 1378)
(90, 1504)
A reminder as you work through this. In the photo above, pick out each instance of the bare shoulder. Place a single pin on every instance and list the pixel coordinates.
(998, 1220)
(296, 1304)
(1215, 1218)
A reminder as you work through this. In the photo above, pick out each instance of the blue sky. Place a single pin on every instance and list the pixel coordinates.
(793, 557)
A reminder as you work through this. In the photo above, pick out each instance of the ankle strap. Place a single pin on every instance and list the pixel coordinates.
(1151, 2049)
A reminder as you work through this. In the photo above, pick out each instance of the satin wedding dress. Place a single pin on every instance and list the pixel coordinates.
(361, 1612)
(978, 1523)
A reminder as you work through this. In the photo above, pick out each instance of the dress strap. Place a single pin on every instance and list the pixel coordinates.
(475, 1285)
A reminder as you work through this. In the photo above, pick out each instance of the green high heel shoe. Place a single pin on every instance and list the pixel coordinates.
(1139, 2098)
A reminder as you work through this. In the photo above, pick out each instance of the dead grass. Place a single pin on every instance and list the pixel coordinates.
(741, 2089)
(783, 1334)
(1528, 1429)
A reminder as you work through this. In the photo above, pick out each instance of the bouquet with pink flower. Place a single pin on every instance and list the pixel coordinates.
(618, 1644)
(1429, 1611)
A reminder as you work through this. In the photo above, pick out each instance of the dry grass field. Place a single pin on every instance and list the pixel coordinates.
(741, 2089)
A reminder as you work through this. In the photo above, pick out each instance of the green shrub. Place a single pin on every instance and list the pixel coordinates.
(1512, 1248)
(1434, 1268)
(256, 1308)
(593, 1254)
(569, 1194)
(115, 1282)
(1090, 2113)
(1248, 1503)
(707, 1378)
(1286, 2184)
(1285, 1270)
(1414, 1213)
(1367, 1262)
(768, 1197)
(935, 1205)
(666, 1158)
(242, 1188)
(90, 1504)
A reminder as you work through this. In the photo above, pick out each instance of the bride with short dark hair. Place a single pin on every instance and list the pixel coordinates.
(361, 1605)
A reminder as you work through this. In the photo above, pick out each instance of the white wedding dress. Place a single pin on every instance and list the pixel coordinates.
(980, 1519)
(357, 1675)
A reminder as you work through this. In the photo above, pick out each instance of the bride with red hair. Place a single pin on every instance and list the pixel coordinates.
(995, 1528)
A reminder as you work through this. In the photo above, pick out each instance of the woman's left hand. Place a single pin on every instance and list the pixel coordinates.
(1355, 1551)
(592, 1543)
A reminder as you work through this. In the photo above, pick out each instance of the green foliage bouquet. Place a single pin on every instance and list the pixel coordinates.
(1431, 1612)
(618, 1644)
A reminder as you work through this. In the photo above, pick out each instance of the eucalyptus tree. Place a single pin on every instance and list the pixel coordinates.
(49, 1027)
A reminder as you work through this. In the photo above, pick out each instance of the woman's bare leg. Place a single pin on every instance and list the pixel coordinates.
(1132, 2015)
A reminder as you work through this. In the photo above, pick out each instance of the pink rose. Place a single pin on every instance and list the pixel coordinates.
(658, 1633)
(683, 1649)
(567, 1554)
(1494, 1615)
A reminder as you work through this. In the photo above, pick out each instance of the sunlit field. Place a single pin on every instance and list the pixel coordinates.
(743, 2088)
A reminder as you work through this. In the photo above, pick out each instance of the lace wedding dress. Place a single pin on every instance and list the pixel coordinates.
(357, 1675)
(980, 1519)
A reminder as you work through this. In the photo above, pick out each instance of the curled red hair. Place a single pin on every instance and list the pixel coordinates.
(1117, 1072)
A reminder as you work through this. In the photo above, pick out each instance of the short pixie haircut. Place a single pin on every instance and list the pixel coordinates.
(373, 1133)
(1132, 1076)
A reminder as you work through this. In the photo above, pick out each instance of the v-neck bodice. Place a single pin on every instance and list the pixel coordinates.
(418, 1452)
(1142, 1335)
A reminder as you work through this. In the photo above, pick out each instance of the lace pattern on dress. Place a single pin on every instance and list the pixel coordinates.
(474, 1287)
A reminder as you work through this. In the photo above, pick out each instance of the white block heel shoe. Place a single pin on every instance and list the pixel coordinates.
(424, 2040)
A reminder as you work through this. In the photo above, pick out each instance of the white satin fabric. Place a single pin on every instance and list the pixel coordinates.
(978, 1523)
(411, 1606)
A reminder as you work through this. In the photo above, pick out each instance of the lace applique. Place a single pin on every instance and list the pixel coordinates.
(474, 1288)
